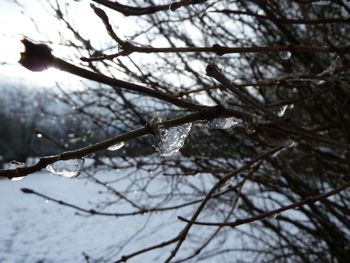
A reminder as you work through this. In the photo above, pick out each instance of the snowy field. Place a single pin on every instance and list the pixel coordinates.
(37, 230)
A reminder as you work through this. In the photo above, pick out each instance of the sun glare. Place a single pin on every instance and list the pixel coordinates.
(15, 26)
(11, 69)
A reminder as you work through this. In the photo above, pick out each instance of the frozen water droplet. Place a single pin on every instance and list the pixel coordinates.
(282, 111)
(223, 123)
(285, 55)
(318, 81)
(46, 201)
(67, 168)
(250, 130)
(116, 146)
(39, 135)
(172, 139)
(290, 144)
(14, 164)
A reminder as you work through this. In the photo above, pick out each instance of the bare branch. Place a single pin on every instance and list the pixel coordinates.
(307, 201)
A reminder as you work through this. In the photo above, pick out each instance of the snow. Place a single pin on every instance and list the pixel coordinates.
(37, 230)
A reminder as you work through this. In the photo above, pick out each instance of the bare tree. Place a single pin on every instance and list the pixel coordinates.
(264, 85)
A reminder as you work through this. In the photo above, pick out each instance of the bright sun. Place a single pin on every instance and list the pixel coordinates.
(13, 70)
(15, 25)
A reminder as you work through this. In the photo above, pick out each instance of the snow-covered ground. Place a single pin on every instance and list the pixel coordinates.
(36, 230)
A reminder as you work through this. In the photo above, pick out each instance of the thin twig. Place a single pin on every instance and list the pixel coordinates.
(183, 234)
(309, 200)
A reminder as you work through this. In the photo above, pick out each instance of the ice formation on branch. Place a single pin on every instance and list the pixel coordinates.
(285, 55)
(66, 168)
(116, 147)
(287, 145)
(14, 165)
(172, 139)
(282, 111)
(223, 123)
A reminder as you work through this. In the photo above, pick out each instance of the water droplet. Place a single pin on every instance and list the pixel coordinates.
(282, 111)
(285, 55)
(39, 135)
(116, 146)
(224, 123)
(67, 168)
(172, 139)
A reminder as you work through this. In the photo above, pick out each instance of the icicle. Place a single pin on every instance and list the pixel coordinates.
(67, 168)
(116, 146)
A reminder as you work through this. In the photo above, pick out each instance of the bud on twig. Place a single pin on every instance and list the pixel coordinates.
(36, 57)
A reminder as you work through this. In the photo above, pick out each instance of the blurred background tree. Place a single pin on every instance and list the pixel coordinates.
(276, 70)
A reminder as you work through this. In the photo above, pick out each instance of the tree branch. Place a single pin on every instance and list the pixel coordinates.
(183, 234)
(309, 200)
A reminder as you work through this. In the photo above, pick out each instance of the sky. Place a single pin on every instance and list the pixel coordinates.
(14, 26)
(17, 22)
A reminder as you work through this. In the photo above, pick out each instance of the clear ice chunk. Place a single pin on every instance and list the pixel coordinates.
(172, 139)
(223, 123)
(116, 147)
(66, 168)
